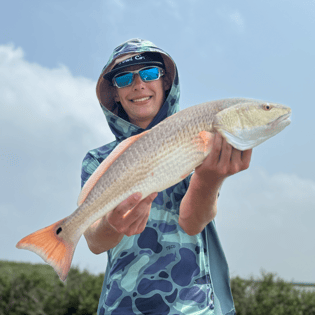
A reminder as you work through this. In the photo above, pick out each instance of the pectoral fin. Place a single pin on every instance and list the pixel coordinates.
(204, 141)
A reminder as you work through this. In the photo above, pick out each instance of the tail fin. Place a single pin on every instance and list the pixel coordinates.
(50, 245)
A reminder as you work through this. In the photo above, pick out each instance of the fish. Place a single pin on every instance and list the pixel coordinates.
(154, 160)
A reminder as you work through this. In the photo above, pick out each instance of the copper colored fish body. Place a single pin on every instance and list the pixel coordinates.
(153, 161)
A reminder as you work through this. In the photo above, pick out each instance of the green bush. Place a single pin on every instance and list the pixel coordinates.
(27, 289)
(271, 296)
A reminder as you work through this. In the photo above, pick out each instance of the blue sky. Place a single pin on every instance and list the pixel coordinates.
(51, 54)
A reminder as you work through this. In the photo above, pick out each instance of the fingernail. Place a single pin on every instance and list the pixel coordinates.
(137, 196)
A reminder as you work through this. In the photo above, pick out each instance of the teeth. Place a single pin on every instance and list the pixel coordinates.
(141, 99)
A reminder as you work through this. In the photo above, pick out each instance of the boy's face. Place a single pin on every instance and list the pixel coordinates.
(141, 100)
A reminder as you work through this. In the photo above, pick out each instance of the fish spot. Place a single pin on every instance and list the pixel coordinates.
(123, 254)
(122, 263)
(197, 249)
(154, 303)
(149, 239)
(113, 294)
(160, 264)
(192, 294)
(171, 298)
(146, 286)
(165, 228)
(125, 307)
(155, 225)
(59, 230)
(134, 294)
(183, 272)
(163, 274)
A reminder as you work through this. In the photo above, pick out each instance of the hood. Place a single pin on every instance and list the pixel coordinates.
(119, 125)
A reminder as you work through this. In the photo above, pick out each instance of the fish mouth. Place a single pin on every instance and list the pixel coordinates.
(281, 118)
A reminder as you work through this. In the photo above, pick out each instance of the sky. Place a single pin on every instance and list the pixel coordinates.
(51, 54)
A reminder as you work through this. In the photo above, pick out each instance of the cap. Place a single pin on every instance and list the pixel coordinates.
(147, 58)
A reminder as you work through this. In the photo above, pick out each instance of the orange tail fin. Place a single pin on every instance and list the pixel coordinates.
(50, 244)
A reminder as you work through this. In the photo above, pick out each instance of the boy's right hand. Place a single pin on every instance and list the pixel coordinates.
(130, 217)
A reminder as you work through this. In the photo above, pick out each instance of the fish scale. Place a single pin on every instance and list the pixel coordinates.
(153, 161)
(168, 152)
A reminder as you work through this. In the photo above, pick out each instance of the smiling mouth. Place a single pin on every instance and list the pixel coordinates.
(143, 99)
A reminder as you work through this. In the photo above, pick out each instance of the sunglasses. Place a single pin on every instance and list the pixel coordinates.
(146, 74)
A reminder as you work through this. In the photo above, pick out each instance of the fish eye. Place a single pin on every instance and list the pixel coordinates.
(267, 107)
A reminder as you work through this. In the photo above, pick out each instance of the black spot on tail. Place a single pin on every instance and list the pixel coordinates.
(59, 230)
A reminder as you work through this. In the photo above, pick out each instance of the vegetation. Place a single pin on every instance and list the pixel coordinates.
(27, 289)
(271, 296)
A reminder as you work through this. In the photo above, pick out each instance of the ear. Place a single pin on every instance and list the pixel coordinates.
(166, 82)
(116, 96)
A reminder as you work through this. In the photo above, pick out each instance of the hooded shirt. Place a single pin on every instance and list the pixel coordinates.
(163, 270)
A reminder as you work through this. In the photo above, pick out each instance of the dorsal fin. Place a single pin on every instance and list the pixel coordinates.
(103, 167)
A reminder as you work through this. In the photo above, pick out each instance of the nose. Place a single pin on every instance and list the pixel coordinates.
(137, 83)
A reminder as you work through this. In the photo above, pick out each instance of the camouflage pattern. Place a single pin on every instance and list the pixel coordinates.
(162, 270)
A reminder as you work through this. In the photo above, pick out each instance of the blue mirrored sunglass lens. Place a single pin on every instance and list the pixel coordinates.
(125, 79)
(149, 74)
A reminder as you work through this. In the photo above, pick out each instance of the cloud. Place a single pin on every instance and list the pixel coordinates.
(261, 201)
(49, 120)
(234, 18)
(237, 19)
(120, 4)
(270, 217)
(33, 96)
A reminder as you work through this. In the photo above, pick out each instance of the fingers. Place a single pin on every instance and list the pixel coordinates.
(138, 226)
(216, 149)
(126, 205)
(224, 160)
(246, 158)
(225, 157)
(130, 217)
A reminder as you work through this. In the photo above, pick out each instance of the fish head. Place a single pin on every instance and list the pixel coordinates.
(248, 124)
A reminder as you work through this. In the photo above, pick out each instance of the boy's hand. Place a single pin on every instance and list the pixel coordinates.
(131, 216)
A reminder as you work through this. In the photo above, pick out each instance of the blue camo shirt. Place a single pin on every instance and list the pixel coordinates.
(162, 270)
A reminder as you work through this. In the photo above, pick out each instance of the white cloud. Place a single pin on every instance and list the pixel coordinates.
(49, 120)
(120, 4)
(236, 18)
(257, 200)
(266, 221)
(35, 97)
(233, 17)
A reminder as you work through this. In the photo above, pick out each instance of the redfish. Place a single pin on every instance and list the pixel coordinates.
(153, 161)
